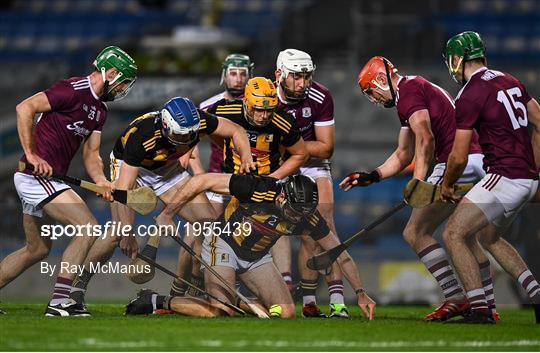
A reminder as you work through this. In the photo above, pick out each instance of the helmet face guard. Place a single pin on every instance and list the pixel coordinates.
(301, 198)
(260, 94)
(299, 64)
(367, 80)
(114, 57)
(236, 63)
(466, 46)
(180, 120)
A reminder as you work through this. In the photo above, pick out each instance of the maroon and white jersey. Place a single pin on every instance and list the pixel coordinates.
(216, 151)
(76, 113)
(316, 110)
(495, 104)
(415, 93)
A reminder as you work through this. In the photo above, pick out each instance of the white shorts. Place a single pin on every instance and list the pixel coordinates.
(216, 252)
(35, 191)
(317, 168)
(473, 172)
(160, 179)
(500, 198)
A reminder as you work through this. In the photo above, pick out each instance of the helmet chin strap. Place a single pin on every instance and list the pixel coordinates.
(234, 92)
(392, 103)
(106, 96)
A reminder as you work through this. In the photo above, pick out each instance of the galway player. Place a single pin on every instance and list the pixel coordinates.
(70, 113)
(498, 107)
(312, 106)
(154, 150)
(426, 113)
(262, 210)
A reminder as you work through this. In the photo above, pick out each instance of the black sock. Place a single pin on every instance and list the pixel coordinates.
(162, 302)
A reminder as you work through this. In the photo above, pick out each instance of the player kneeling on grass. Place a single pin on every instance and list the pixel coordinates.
(262, 210)
(154, 151)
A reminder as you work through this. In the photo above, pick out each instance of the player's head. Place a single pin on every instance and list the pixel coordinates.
(260, 101)
(118, 71)
(180, 120)
(375, 81)
(294, 73)
(299, 197)
(461, 48)
(237, 69)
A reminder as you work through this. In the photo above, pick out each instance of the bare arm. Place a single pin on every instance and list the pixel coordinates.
(323, 147)
(533, 108)
(195, 162)
(26, 111)
(126, 181)
(350, 270)
(94, 164)
(299, 156)
(402, 156)
(228, 129)
(457, 161)
(92, 159)
(217, 182)
(425, 143)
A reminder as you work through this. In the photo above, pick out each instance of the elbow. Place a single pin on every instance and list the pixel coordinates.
(328, 152)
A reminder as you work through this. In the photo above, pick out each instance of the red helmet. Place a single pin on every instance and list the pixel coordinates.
(367, 78)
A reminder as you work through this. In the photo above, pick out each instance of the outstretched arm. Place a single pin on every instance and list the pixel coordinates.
(217, 182)
(402, 157)
(299, 157)
(228, 129)
(350, 271)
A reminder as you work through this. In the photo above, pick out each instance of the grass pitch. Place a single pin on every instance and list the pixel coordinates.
(396, 328)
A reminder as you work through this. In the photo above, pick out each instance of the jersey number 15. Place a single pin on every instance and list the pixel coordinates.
(505, 97)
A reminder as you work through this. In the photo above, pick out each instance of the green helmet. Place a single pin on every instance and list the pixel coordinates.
(236, 61)
(114, 57)
(467, 46)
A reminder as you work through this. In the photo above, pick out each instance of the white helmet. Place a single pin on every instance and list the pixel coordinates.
(294, 60)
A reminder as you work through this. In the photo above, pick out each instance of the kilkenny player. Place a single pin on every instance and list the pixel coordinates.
(154, 150)
(270, 132)
(262, 210)
(312, 106)
(498, 107)
(70, 113)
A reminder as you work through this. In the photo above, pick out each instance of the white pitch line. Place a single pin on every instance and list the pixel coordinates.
(368, 344)
(359, 345)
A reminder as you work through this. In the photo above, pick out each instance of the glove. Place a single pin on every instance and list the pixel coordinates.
(360, 179)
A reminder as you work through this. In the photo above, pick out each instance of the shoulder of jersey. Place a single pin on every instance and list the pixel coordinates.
(283, 120)
(318, 92)
(211, 101)
(227, 108)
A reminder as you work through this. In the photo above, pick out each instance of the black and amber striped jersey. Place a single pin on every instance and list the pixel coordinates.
(142, 144)
(267, 143)
(252, 223)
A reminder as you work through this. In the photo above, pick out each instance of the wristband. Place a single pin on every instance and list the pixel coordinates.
(360, 291)
(375, 176)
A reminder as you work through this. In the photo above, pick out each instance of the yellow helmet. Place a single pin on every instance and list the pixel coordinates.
(260, 93)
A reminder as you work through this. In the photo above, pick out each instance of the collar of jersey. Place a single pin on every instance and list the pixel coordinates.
(92, 88)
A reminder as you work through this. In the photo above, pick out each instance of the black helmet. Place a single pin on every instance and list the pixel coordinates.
(301, 197)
